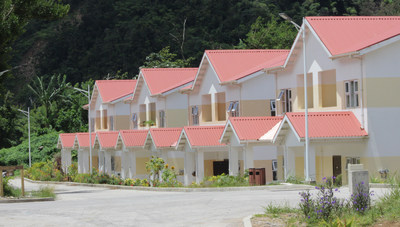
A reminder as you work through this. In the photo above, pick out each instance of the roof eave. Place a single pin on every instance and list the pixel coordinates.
(348, 54)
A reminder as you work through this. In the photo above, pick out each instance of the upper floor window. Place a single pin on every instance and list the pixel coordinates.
(233, 109)
(195, 115)
(135, 121)
(351, 93)
(162, 118)
(285, 96)
(272, 104)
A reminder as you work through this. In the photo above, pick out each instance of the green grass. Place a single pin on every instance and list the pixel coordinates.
(44, 192)
(276, 210)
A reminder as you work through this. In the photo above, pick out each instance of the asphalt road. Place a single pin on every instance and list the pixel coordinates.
(91, 206)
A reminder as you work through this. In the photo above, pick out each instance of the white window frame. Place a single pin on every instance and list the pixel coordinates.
(272, 105)
(351, 90)
(135, 120)
(195, 115)
(161, 116)
(233, 109)
(352, 160)
(285, 96)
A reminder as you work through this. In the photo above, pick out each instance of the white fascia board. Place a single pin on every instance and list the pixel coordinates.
(59, 143)
(150, 137)
(285, 120)
(379, 45)
(198, 71)
(319, 40)
(93, 98)
(76, 143)
(122, 141)
(251, 76)
(137, 85)
(175, 89)
(147, 85)
(292, 49)
(212, 67)
(97, 142)
(230, 125)
(337, 139)
(120, 99)
(183, 135)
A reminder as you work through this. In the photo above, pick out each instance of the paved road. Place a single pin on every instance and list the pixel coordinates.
(90, 206)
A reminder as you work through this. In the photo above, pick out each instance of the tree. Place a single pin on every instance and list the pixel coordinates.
(15, 15)
(269, 35)
(52, 92)
(9, 122)
(165, 59)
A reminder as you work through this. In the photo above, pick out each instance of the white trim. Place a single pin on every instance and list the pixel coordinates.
(319, 40)
(250, 76)
(285, 120)
(137, 84)
(229, 124)
(198, 72)
(120, 99)
(380, 45)
(175, 89)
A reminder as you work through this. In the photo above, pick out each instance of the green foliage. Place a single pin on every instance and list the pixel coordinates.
(270, 34)
(45, 171)
(43, 148)
(9, 122)
(10, 191)
(294, 180)
(274, 210)
(154, 167)
(224, 181)
(44, 192)
(168, 177)
(165, 59)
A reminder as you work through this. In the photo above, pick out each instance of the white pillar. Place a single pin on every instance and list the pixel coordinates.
(311, 163)
(124, 164)
(101, 161)
(80, 161)
(189, 167)
(233, 161)
(199, 166)
(248, 157)
(290, 163)
(68, 160)
(107, 164)
(85, 154)
(132, 166)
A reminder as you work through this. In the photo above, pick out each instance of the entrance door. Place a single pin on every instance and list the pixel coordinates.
(220, 167)
(337, 165)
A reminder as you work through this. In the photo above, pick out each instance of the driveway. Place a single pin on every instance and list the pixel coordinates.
(92, 206)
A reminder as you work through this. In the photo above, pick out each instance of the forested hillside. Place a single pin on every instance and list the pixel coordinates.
(113, 38)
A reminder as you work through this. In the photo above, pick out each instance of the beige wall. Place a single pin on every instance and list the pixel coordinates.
(95, 162)
(383, 92)
(178, 163)
(177, 118)
(121, 122)
(141, 165)
(267, 164)
(117, 160)
(208, 168)
(205, 113)
(252, 108)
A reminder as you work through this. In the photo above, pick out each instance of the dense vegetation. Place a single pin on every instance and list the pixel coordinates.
(43, 40)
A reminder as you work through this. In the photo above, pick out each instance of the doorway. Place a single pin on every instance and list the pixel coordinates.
(337, 165)
(220, 167)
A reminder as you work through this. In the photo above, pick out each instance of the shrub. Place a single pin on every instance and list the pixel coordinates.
(361, 199)
(225, 181)
(10, 190)
(45, 171)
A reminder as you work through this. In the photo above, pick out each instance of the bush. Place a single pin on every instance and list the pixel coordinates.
(10, 190)
(225, 181)
(361, 199)
(45, 171)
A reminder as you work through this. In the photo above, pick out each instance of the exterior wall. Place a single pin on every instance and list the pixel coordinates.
(176, 110)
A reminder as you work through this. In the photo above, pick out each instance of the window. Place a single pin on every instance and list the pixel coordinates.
(233, 109)
(195, 115)
(98, 119)
(285, 96)
(104, 118)
(135, 121)
(112, 163)
(351, 93)
(272, 104)
(111, 123)
(352, 160)
(162, 118)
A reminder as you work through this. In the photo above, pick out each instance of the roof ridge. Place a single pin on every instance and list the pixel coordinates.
(247, 50)
(169, 69)
(124, 80)
(354, 18)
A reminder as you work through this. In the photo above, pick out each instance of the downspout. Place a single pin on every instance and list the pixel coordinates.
(362, 93)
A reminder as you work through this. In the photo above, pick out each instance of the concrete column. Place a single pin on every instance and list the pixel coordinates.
(214, 107)
(233, 161)
(147, 111)
(80, 161)
(199, 166)
(101, 161)
(290, 163)
(189, 167)
(248, 157)
(124, 164)
(85, 155)
(132, 166)
(311, 161)
(107, 164)
(68, 160)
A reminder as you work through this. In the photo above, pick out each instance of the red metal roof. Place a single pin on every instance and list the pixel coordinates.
(111, 90)
(134, 138)
(204, 135)
(67, 139)
(108, 139)
(235, 64)
(352, 33)
(253, 128)
(165, 137)
(327, 124)
(83, 138)
(160, 80)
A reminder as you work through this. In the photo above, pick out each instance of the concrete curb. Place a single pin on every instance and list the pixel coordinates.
(25, 200)
(247, 221)
(282, 187)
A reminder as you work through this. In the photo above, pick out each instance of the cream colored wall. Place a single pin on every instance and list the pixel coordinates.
(382, 92)
(141, 165)
(299, 162)
(121, 122)
(208, 168)
(252, 108)
(281, 171)
(117, 160)
(178, 163)
(267, 164)
(95, 162)
(177, 118)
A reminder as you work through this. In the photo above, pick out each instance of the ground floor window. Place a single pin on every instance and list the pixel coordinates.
(352, 160)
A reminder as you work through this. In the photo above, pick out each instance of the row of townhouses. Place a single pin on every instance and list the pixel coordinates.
(245, 109)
